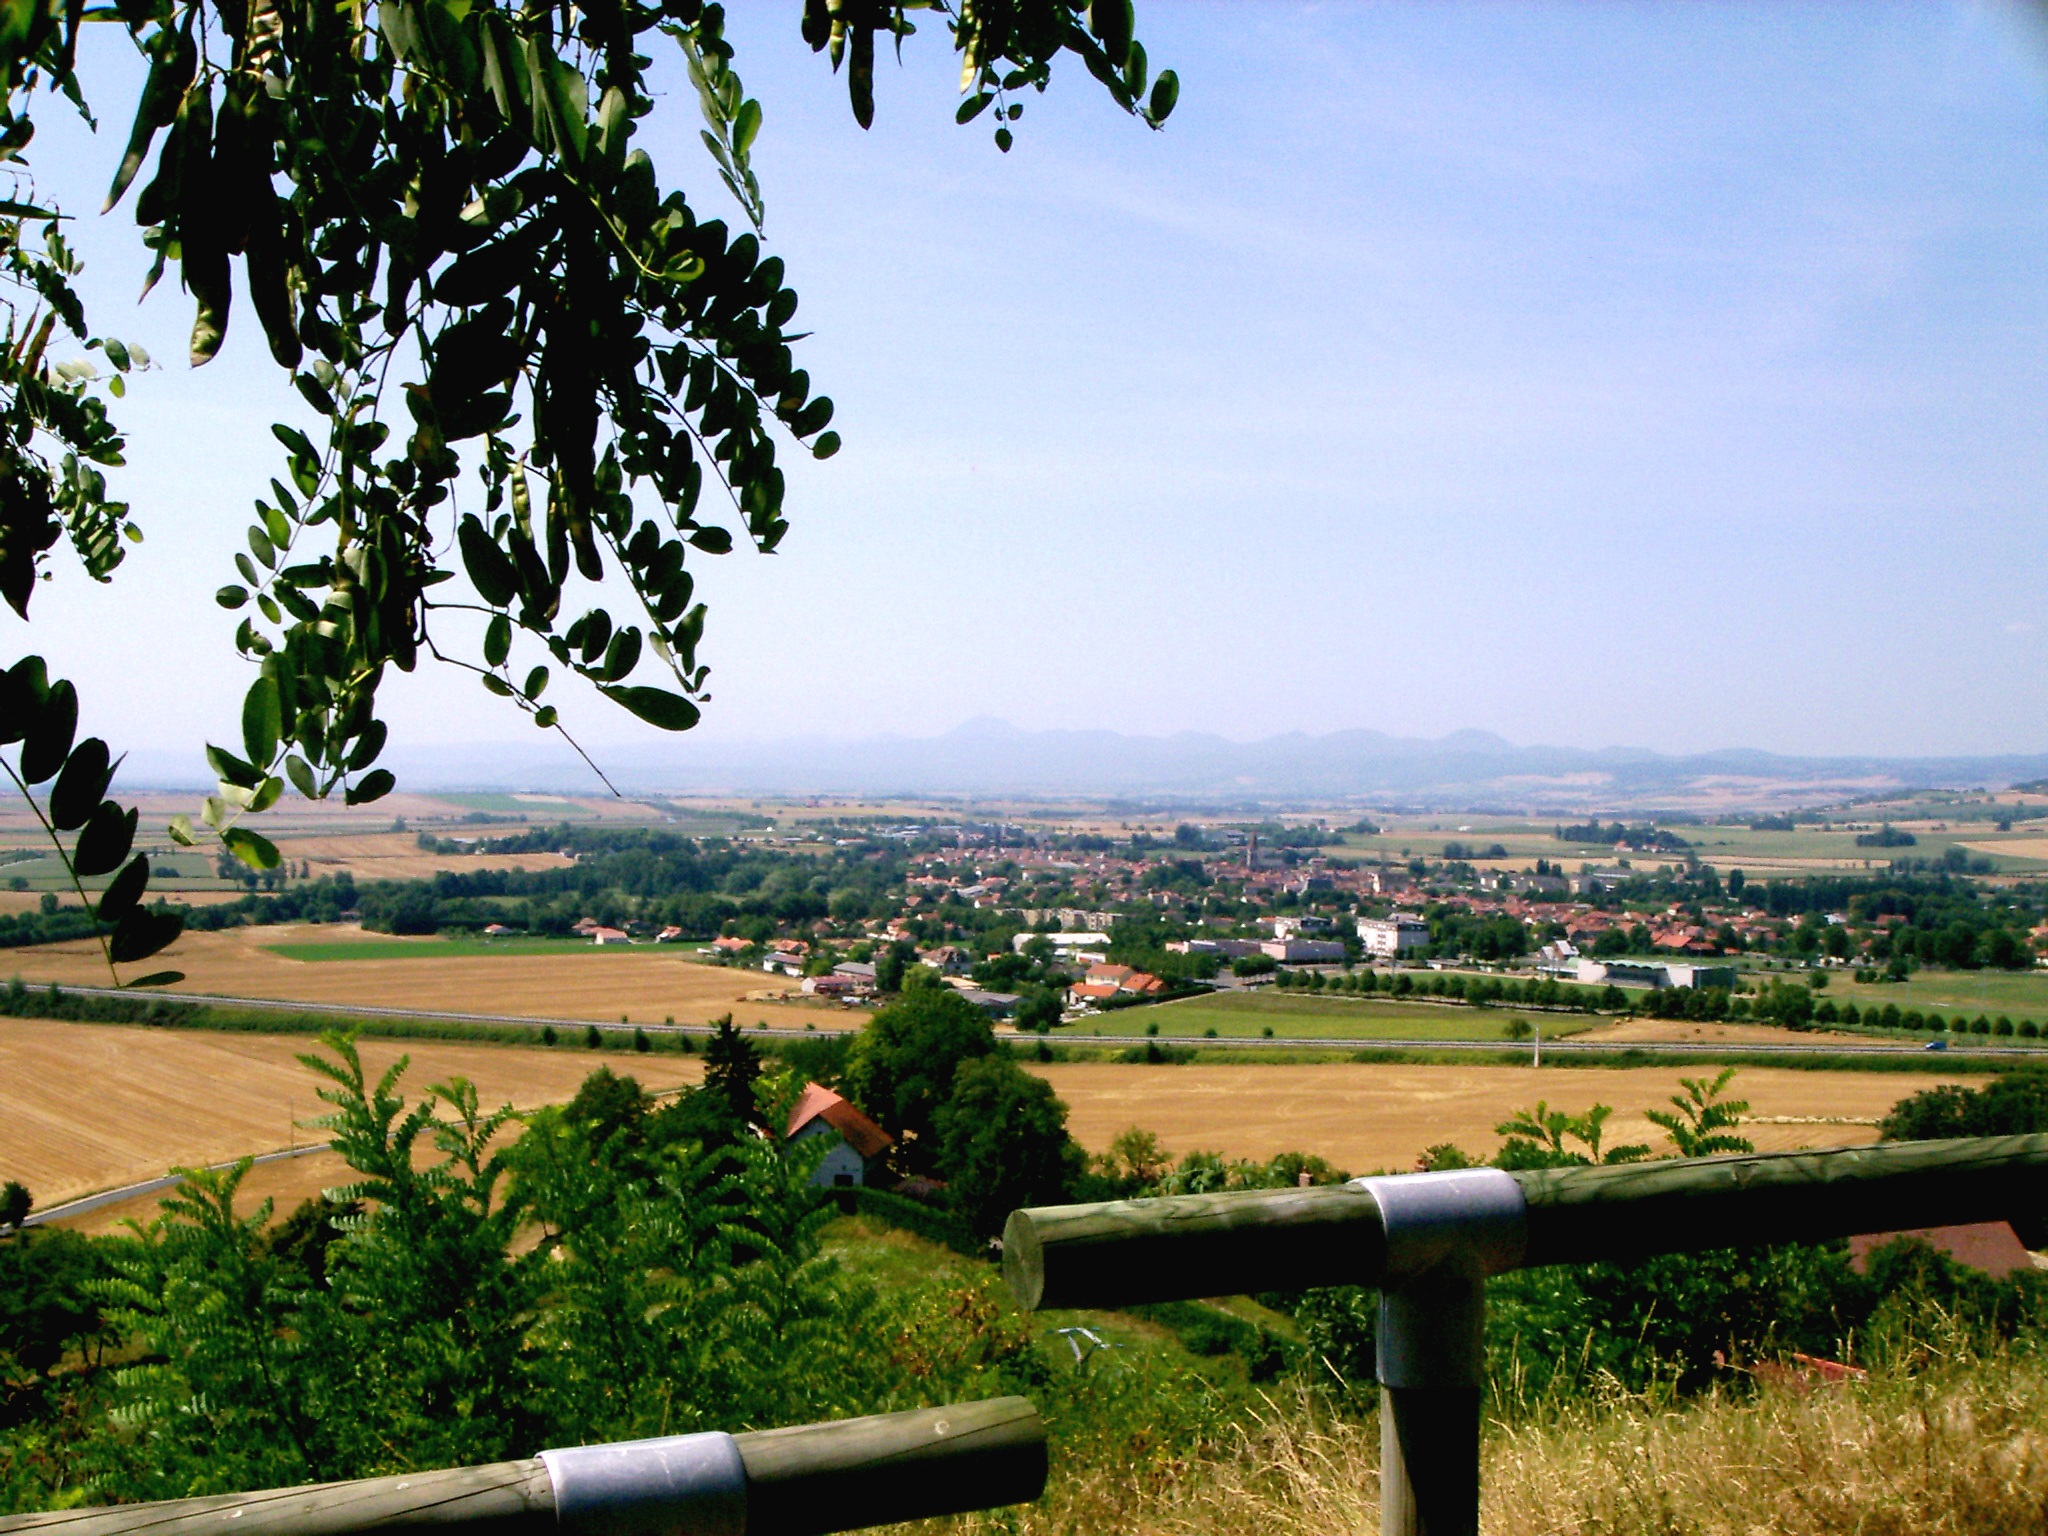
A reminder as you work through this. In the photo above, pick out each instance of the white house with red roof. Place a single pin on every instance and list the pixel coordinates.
(859, 1142)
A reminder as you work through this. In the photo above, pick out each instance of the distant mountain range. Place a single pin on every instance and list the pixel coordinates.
(985, 758)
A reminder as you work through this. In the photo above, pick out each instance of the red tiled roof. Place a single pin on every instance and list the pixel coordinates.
(855, 1129)
(1990, 1246)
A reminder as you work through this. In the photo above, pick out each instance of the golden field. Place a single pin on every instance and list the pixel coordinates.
(91, 1106)
(1370, 1116)
(643, 982)
(398, 856)
(88, 1106)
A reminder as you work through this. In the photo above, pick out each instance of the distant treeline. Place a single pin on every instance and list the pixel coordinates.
(1644, 839)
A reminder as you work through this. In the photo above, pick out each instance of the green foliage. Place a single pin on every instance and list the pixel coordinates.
(2011, 1104)
(46, 1306)
(927, 1222)
(41, 717)
(731, 1069)
(1002, 1143)
(1038, 1009)
(1537, 1138)
(1680, 1319)
(901, 1067)
(477, 1290)
(436, 205)
(1703, 1120)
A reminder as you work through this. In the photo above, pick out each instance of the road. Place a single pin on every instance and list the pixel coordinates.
(86, 1203)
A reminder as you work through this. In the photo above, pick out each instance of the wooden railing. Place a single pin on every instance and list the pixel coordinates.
(1429, 1240)
(801, 1481)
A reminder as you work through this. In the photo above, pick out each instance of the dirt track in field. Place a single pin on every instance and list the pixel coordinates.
(644, 982)
(92, 1106)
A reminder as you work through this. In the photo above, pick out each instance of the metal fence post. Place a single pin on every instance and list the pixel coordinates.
(1445, 1233)
(1432, 1360)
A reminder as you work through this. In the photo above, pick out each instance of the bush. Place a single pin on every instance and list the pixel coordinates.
(912, 1216)
(2011, 1104)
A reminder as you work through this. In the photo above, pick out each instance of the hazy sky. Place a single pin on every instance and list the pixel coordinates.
(1670, 376)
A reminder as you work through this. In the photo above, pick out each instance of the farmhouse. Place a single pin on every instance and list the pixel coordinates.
(859, 1142)
(1091, 991)
(1389, 938)
(946, 959)
(610, 936)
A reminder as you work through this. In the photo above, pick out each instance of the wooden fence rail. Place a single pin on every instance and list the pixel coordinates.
(1429, 1241)
(801, 1481)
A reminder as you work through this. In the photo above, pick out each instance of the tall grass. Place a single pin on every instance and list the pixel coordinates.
(1950, 1442)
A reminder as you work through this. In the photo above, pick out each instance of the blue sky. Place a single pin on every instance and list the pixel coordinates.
(1669, 376)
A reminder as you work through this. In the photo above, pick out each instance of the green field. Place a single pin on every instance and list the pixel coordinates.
(1733, 846)
(2021, 994)
(168, 872)
(513, 805)
(318, 951)
(1248, 1015)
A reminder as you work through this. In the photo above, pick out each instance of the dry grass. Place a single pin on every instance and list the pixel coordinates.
(1372, 1116)
(1959, 1451)
(91, 1106)
(646, 983)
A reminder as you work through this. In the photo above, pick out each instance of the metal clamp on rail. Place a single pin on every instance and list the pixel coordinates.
(1445, 1233)
(1474, 1220)
(803, 1481)
(694, 1484)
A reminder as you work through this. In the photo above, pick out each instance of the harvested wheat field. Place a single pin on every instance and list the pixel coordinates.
(645, 983)
(1665, 1031)
(398, 856)
(1381, 1117)
(91, 1106)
